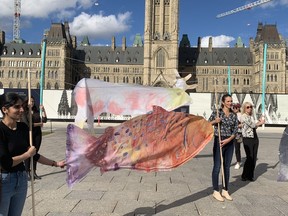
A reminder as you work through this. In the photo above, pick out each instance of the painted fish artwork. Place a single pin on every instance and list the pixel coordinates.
(94, 97)
(283, 157)
(157, 141)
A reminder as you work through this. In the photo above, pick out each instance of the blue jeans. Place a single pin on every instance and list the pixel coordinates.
(13, 193)
(227, 153)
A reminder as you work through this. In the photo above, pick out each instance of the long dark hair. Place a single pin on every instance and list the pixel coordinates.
(25, 105)
(223, 100)
(8, 99)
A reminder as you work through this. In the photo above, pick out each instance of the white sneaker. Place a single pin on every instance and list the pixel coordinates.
(237, 166)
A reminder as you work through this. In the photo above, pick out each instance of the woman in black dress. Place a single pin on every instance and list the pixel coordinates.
(38, 119)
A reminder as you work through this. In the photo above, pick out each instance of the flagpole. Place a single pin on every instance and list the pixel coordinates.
(42, 75)
(229, 80)
(219, 134)
(31, 142)
(264, 82)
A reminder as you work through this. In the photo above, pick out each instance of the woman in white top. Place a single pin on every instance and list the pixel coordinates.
(250, 140)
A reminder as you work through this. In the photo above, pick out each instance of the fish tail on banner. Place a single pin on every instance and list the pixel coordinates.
(77, 163)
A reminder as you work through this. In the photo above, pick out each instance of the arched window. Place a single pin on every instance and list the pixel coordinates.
(48, 86)
(160, 59)
(56, 86)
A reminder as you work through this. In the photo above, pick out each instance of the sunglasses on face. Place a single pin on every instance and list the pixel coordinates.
(249, 107)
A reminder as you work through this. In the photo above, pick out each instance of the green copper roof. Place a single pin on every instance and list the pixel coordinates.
(85, 41)
(138, 41)
(239, 43)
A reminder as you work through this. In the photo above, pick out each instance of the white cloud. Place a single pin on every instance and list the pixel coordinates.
(44, 8)
(217, 41)
(100, 26)
(63, 15)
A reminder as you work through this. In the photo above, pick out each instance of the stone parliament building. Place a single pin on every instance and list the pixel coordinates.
(151, 61)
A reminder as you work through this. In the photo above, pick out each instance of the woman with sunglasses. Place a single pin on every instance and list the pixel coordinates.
(14, 150)
(250, 140)
(228, 122)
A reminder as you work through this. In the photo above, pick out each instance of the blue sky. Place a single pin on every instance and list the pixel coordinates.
(102, 19)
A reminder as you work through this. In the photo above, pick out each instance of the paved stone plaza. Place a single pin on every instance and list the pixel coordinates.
(184, 191)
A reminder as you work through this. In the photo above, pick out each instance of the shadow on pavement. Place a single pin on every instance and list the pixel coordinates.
(53, 173)
(234, 186)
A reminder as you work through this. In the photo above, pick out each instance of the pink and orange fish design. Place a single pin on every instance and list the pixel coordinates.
(157, 141)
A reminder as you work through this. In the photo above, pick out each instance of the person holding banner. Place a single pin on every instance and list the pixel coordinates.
(14, 150)
(250, 140)
(38, 119)
(223, 143)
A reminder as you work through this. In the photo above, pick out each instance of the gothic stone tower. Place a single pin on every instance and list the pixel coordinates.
(161, 42)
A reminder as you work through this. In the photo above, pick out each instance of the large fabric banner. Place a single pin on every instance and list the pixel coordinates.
(94, 97)
(157, 141)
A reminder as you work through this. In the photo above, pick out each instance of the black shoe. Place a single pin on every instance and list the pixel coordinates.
(251, 179)
(36, 176)
(243, 179)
